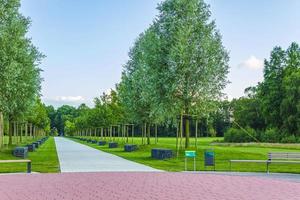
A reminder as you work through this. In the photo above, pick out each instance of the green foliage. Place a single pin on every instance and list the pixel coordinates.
(240, 135)
(20, 76)
(178, 65)
(280, 91)
(273, 106)
(69, 127)
(60, 116)
(220, 119)
(271, 135)
(247, 112)
(290, 139)
(38, 115)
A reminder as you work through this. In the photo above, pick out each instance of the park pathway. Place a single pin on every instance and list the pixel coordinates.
(76, 157)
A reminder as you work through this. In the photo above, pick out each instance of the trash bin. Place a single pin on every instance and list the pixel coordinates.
(209, 158)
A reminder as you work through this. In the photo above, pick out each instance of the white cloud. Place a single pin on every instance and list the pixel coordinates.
(66, 100)
(69, 98)
(252, 63)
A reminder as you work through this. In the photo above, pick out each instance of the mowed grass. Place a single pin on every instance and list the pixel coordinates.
(223, 153)
(44, 159)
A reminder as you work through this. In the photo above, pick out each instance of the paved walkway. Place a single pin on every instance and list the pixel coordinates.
(76, 157)
(144, 186)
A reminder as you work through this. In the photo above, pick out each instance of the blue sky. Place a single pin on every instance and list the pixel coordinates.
(86, 41)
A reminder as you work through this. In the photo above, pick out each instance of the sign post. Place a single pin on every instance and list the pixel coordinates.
(190, 154)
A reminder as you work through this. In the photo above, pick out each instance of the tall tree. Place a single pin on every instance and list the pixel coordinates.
(290, 105)
(197, 62)
(19, 59)
(271, 88)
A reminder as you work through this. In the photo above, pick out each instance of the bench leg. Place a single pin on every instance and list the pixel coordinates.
(29, 167)
(268, 171)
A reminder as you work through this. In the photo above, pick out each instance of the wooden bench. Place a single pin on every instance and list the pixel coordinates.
(19, 161)
(274, 157)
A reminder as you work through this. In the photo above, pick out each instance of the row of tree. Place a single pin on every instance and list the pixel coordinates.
(176, 71)
(20, 80)
(177, 68)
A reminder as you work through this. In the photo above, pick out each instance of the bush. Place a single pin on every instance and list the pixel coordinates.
(289, 139)
(239, 135)
(271, 135)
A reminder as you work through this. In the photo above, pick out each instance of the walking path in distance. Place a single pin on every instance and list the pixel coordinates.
(76, 157)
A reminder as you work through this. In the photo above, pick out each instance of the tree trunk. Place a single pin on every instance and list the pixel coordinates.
(10, 133)
(33, 132)
(26, 131)
(132, 133)
(126, 133)
(156, 139)
(148, 134)
(1, 130)
(145, 132)
(142, 133)
(21, 133)
(181, 130)
(16, 132)
(187, 133)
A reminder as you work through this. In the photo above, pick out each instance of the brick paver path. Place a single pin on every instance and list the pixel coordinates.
(144, 186)
(76, 157)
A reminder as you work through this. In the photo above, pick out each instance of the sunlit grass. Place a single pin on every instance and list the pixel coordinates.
(223, 154)
(44, 159)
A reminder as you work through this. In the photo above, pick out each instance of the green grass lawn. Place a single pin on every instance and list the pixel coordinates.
(44, 159)
(224, 152)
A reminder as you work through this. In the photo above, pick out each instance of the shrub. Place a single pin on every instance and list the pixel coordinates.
(239, 135)
(271, 135)
(289, 139)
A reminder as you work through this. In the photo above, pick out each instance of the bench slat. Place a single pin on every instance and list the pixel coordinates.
(15, 161)
(284, 156)
(285, 161)
(256, 161)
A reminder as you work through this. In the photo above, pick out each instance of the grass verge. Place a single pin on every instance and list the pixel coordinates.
(223, 155)
(44, 159)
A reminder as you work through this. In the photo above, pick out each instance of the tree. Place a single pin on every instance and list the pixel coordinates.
(39, 116)
(290, 105)
(196, 60)
(177, 66)
(271, 88)
(19, 59)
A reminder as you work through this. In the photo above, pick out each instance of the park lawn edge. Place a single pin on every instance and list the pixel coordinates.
(44, 159)
(223, 155)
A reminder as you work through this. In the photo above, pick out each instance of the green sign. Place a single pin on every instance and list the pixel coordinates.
(190, 154)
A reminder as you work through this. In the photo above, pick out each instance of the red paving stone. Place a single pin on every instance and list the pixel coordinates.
(140, 186)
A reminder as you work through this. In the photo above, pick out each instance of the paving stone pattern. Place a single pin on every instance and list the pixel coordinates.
(144, 186)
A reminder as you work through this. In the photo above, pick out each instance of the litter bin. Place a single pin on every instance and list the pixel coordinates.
(209, 158)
